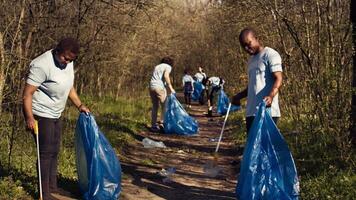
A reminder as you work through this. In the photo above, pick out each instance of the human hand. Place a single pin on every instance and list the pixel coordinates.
(30, 123)
(268, 100)
(83, 108)
(173, 91)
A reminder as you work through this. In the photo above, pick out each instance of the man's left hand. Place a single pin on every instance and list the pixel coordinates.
(268, 100)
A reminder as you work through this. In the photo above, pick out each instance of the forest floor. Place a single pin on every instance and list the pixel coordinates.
(143, 168)
(187, 155)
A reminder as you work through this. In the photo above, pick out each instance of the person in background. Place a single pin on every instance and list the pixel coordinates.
(48, 86)
(264, 77)
(213, 85)
(188, 87)
(200, 76)
(159, 81)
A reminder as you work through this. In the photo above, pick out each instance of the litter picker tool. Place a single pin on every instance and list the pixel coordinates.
(36, 132)
(222, 129)
(211, 168)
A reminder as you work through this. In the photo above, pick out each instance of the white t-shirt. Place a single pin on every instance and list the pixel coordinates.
(261, 80)
(215, 81)
(187, 78)
(200, 76)
(157, 79)
(53, 84)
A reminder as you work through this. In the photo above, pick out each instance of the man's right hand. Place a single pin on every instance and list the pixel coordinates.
(30, 122)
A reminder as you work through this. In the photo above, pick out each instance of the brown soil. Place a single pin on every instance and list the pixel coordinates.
(188, 154)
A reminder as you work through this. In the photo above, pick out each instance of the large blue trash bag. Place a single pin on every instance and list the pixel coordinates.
(177, 120)
(98, 168)
(198, 88)
(267, 169)
(223, 104)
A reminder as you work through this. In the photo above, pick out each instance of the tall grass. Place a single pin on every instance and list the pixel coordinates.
(119, 120)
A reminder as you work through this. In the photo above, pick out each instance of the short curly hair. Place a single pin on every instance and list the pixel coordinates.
(246, 31)
(68, 44)
(168, 60)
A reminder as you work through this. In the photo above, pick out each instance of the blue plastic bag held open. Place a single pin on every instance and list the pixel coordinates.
(198, 88)
(267, 169)
(177, 120)
(223, 103)
(98, 168)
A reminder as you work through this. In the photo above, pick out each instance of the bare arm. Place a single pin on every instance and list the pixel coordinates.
(27, 105)
(277, 84)
(168, 81)
(236, 99)
(73, 96)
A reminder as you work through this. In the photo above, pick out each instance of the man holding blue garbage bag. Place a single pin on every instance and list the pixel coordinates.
(159, 81)
(264, 76)
(48, 86)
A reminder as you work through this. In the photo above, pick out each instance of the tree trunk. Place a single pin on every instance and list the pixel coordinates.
(2, 66)
(353, 106)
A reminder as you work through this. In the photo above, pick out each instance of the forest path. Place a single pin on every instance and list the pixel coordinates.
(188, 155)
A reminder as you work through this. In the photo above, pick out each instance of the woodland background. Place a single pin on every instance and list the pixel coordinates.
(122, 40)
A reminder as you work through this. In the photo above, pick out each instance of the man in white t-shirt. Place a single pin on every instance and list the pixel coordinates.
(213, 85)
(48, 86)
(264, 77)
(159, 81)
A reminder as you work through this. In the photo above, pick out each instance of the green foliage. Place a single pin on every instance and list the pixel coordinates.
(236, 122)
(330, 184)
(12, 189)
(119, 120)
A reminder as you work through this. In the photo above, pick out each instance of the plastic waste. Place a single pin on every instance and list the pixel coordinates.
(223, 103)
(198, 88)
(98, 168)
(180, 152)
(267, 169)
(167, 174)
(211, 169)
(148, 143)
(177, 120)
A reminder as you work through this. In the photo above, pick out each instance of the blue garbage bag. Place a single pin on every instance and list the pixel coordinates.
(267, 169)
(223, 104)
(198, 88)
(177, 120)
(98, 168)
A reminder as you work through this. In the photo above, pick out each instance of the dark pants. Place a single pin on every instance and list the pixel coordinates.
(49, 139)
(202, 97)
(188, 98)
(211, 93)
(249, 121)
(188, 90)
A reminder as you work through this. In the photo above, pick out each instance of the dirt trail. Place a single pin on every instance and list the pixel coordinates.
(188, 155)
